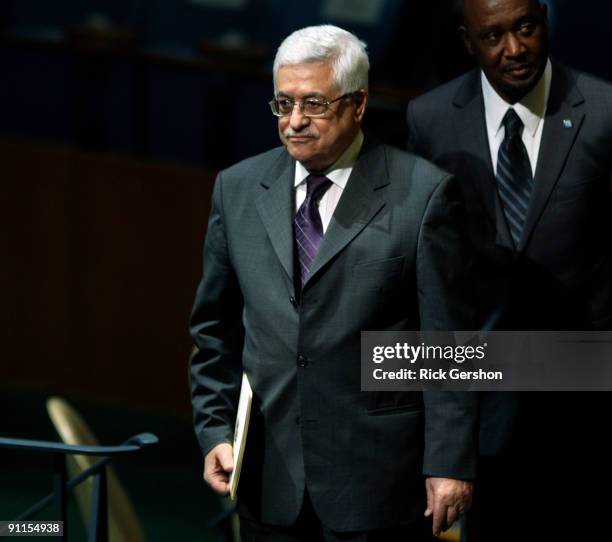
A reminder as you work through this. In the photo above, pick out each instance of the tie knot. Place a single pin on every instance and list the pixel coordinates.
(316, 184)
(512, 123)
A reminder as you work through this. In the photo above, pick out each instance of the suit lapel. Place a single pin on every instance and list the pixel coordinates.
(470, 130)
(357, 206)
(564, 116)
(275, 208)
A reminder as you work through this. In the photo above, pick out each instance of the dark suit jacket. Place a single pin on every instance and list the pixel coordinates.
(560, 276)
(391, 259)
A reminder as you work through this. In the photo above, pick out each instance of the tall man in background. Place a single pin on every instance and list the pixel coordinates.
(307, 245)
(531, 142)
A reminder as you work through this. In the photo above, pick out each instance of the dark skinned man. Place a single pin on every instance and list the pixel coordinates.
(531, 142)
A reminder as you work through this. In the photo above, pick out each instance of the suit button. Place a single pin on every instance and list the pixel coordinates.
(293, 302)
(302, 361)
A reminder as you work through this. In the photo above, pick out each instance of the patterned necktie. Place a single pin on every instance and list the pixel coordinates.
(514, 178)
(308, 227)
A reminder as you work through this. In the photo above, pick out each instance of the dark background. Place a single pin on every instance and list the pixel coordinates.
(114, 118)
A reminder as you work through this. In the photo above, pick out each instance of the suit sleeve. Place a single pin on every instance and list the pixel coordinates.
(217, 330)
(444, 263)
(415, 143)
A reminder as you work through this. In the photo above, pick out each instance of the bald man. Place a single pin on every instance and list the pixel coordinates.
(530, 141)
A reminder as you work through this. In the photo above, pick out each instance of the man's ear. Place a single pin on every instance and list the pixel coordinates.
(544, 9)
(361, 99)
(465, 38)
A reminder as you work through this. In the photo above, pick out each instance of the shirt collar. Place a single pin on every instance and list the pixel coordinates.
(340, 170)
(531, 109)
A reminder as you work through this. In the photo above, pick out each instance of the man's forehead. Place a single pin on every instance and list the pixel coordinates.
(486, 11)
(313, 78)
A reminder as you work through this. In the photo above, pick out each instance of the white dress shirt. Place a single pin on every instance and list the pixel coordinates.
(531, 110)
(338, 174)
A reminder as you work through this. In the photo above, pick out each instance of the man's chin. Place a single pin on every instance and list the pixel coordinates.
(518, 83)
(516, 88)
(310, 161)
(300, 154)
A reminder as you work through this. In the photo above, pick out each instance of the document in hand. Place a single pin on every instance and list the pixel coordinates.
(240, 432)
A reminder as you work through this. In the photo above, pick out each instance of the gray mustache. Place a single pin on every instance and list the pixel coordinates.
(291, 132)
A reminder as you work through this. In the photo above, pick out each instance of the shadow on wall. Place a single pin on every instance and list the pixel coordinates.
(105, 256)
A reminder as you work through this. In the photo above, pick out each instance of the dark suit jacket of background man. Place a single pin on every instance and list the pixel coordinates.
(391, 259)
(560, 278)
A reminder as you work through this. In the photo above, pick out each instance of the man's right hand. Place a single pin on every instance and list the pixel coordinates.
(218, 465)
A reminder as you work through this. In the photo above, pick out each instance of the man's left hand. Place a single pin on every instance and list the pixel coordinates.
(447, 501)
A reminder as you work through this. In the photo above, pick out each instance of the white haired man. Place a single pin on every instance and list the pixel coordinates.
(307, 245)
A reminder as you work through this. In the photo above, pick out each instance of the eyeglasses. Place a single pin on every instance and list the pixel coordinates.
(310, 107)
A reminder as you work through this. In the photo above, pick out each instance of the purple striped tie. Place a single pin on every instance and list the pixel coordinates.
(308, 227)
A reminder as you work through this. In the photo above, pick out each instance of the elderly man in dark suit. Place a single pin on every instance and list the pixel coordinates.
(307, 245)
(531, 143)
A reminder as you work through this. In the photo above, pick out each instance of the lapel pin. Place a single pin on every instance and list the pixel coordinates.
(567, 123)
